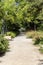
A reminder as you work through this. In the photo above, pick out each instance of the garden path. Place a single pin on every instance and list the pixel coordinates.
(22, 52)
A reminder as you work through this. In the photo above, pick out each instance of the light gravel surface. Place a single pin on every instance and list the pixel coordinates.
(21, 52)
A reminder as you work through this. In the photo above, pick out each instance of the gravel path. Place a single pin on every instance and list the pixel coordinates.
(22, 52)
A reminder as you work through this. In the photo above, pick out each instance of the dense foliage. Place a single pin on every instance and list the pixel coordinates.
(3, 44)
(15, 14)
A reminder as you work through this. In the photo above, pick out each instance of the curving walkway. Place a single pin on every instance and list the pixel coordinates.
(22, 52)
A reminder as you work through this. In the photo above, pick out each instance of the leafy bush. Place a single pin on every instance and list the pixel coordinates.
(3, 45)
(12, 34)
(38, 40)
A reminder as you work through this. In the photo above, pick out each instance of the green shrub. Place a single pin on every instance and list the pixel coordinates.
(12, 34)
(3, 45)
(39, 40)
(41, 49)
